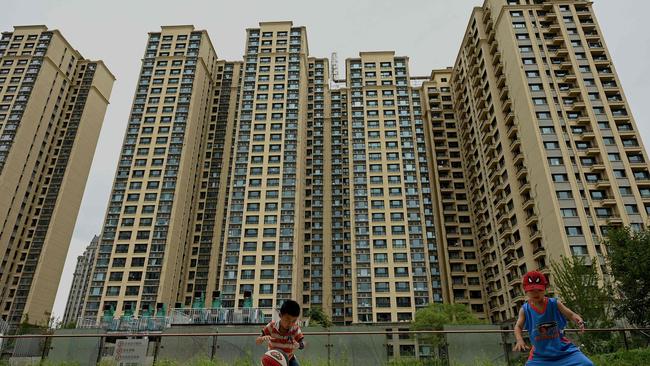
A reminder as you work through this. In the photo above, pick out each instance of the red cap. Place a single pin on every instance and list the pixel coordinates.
(534, 280)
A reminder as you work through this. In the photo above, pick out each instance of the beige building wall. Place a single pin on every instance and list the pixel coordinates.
(80, 282)
(205, 242)
(460, 262)
(265, 220)
(393, 260)
(53, 105)
(558, 157)
(317, 260)
(142, 256)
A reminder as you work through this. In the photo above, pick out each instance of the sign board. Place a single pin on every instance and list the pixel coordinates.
(131, 352)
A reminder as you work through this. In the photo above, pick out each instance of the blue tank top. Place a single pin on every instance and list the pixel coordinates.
(546, 331)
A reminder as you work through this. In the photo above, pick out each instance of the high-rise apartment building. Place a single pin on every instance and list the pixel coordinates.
(143, 248)
(392, 266)
(247, 183)
(553, 154)
(52, 105)
(80, 282)
(461, 267)
(263, 240)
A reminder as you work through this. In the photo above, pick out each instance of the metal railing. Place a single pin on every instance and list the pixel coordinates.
(179, 316)
(327, 344)
(219, 316)
(125, 323)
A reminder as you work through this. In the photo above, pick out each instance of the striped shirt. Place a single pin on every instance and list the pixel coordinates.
(283, 342)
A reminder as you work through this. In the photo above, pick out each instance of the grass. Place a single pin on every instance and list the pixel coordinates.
(634, 357)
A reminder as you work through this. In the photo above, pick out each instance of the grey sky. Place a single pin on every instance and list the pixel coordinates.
(428, 31)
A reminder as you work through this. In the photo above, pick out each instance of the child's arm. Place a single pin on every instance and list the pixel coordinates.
(300, 339)
(262, 339)
(519, 326)
(570, 315)
(265, 337)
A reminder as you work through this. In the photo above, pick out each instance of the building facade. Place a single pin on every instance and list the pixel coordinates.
(80, 281)
(246, 183)
(555, 155)
(52, 105)
(142, 255)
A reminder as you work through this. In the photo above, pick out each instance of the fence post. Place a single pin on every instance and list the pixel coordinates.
(213, 351)
(100, 350)
(506, 351)
(156, 349)
(329, 349)
(627, 346)
(44, 352)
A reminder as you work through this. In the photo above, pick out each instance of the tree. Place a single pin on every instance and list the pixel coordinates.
(583, 290)
(436, 316)
(318, 316)
(629, 262)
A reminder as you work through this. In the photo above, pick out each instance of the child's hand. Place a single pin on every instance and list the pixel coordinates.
(262, 339)
(578, 320)
(520, 346)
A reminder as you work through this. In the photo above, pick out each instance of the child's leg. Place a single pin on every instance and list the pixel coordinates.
(576, 359)
(293, 361)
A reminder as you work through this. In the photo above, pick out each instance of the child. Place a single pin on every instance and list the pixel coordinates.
(545, 318)
(284, 334)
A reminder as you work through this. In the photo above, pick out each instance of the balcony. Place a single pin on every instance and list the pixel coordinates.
(512, 130)
(521, 172)
(588, 135)
(530, 219)
(515, 144)
(602, 183)
(528, 204)
(518, 158)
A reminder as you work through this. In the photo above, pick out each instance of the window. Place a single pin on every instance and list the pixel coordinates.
(539, 101)
(382, 302)
(573, 230)
(631, 209)
(564, 195)
(555, 161)
(597, 195)
(579, 250)
(560, 178)
(569, 212)
(547, 130)
(625, 191)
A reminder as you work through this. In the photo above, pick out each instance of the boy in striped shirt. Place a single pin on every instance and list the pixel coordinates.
(284, 335)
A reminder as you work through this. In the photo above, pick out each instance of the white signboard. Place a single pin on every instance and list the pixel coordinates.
(131, 352)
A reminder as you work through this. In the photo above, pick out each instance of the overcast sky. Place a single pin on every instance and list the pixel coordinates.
(428, 31)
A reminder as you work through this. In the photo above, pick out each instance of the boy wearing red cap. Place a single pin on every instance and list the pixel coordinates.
(545, 319)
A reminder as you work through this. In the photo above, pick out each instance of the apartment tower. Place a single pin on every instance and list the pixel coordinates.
(242, 184)
(52, 105)
(553, 154)
(142, 255)
(80, 282)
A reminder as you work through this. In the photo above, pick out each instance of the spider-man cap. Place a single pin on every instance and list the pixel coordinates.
(534, 280)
